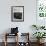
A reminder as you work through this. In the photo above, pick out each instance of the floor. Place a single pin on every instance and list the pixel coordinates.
(13, 44)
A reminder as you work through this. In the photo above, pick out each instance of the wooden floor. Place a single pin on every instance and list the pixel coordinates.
(13, 44)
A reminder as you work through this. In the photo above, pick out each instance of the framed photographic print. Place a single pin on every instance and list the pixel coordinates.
(17, 13)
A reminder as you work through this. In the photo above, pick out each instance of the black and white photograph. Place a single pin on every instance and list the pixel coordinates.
(17, 13)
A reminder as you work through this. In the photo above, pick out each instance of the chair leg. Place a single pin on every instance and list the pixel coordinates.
(5, 43)
(5, 40)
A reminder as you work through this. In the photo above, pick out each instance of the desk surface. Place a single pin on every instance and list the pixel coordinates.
(9, 34)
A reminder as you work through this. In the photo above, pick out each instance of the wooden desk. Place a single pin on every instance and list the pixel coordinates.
(17, 43)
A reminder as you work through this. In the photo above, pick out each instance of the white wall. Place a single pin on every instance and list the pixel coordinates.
(29, 15)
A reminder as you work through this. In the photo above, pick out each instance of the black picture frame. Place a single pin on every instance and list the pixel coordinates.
(17, 13)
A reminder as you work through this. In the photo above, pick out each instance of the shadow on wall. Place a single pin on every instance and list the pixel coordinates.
(3, 33)
(32, 30)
